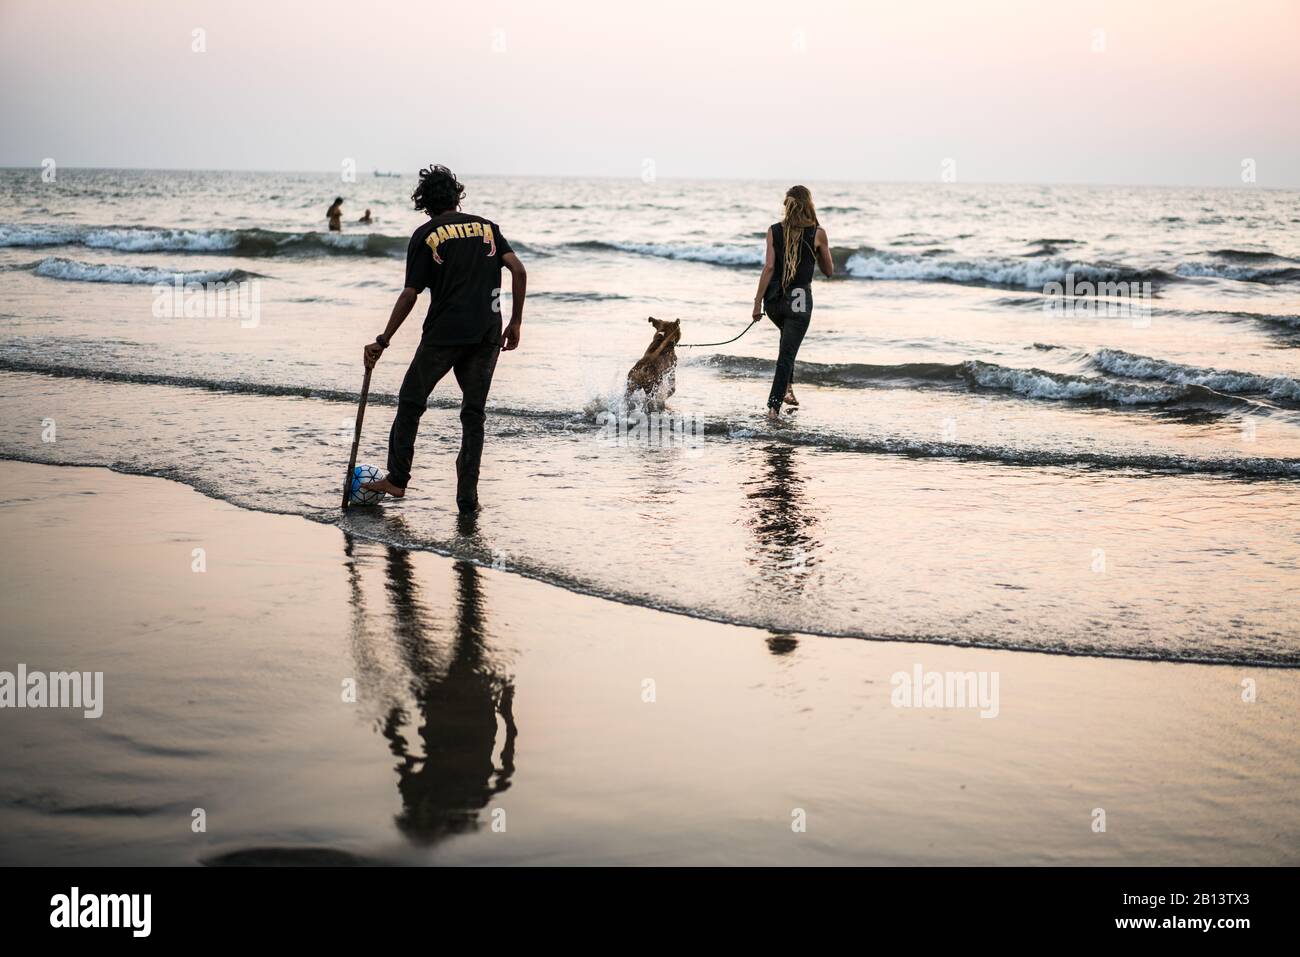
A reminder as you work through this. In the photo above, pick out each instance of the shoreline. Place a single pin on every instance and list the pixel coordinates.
(503, 719)
(586, 590)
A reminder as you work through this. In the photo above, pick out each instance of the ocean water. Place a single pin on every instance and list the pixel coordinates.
(967, 466)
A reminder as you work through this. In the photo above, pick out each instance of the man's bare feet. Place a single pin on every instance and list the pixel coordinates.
(773, 414)
(383, 485)
(789, 397)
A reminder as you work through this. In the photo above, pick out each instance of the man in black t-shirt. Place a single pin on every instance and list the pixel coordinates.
(458, 258)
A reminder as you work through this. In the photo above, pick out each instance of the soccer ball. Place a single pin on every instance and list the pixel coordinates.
(364, 496)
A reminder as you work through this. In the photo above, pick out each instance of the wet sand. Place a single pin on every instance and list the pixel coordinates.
(499, 720)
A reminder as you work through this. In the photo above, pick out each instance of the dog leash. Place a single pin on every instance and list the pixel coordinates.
(701, 345)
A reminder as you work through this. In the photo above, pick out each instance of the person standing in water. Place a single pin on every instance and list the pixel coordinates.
(785, 287)
(367, 219)
(458, 257)
(335, 215)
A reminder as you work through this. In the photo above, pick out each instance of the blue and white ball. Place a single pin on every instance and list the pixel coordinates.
(361, 475)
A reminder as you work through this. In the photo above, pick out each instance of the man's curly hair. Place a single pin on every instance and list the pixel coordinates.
(439, 190)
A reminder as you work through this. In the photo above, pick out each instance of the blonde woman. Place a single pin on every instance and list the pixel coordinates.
(794, 246)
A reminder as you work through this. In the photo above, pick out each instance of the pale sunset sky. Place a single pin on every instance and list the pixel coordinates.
(1146, 91)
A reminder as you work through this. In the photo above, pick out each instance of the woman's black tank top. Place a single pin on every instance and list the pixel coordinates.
(803, 272)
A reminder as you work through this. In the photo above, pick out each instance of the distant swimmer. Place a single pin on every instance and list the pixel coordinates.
(366, 220)
(335, 215)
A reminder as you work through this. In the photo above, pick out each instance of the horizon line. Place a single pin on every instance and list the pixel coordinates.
(607, 176)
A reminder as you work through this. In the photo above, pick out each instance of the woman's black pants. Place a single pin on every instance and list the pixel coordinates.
(791, 313)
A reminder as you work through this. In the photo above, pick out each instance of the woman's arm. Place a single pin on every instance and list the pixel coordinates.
(824, 254)
(769, 267)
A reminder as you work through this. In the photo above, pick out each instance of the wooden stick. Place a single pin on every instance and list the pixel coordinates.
(356, 438)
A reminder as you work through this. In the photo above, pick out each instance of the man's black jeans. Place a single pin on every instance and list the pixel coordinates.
(791, 312)
(473, 365)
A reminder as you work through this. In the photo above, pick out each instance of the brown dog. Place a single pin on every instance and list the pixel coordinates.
(655, 373)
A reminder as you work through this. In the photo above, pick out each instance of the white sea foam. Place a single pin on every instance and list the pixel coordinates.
(158, 240)
(1236, 271)
(73, 271)
(1027, 273)
(1129, 365)
(717, 255)
(127, 239)
(1037, 384)
(18, 234)
(250, 242)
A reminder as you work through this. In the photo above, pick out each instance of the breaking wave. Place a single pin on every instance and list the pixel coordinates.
(1238, 271)
(1247, 255)
(238, 242)
(1029, 273)
(1132, 366)
(730, 255)
(976, 375)
(72, 271)
(931, 265)
(564, 422)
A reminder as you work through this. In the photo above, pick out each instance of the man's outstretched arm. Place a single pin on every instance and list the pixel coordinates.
(401, 309)
(518, 289)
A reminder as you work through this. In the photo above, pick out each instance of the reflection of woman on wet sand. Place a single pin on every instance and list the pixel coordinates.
(785, 529)
(449, 776)
(782, 523)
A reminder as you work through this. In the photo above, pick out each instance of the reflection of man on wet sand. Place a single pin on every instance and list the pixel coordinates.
(444, 789)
